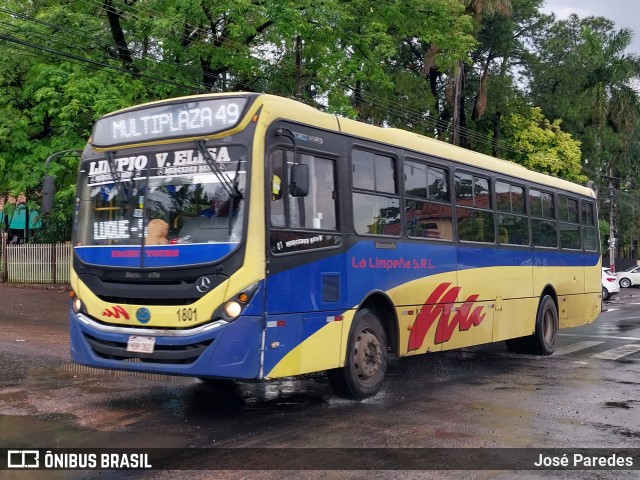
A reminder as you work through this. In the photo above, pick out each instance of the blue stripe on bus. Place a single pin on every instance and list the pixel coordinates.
(364, 268)
(369, 268)
(154, 256)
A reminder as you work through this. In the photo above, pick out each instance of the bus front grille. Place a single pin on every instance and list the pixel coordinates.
(168, 354)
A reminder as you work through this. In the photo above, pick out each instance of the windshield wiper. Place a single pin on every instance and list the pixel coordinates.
(117, 180)
(230, 186)
(233, 200)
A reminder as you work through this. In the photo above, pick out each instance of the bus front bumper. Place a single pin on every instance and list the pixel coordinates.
(228, 350)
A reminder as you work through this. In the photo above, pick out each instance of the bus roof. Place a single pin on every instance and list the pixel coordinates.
(392, 136)
(430, 146)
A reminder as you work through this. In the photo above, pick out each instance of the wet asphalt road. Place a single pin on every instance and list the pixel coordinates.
(586, 396)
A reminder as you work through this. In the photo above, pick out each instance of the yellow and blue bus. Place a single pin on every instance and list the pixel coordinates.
(249, 236)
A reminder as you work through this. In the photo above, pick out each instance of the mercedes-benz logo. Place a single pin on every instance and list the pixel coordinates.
(203, 284)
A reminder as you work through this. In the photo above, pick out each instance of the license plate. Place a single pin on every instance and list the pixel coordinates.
(141, 344)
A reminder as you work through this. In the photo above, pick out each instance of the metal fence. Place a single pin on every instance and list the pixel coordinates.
(47, 263)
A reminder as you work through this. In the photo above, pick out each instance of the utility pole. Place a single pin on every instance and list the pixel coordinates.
(612, 237)
(4, 241)
(456, 104)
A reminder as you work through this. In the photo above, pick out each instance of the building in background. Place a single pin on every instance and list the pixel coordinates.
(17, 220)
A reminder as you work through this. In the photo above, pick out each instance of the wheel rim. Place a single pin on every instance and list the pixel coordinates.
(367, 356)
(624, 283)
(549, 326)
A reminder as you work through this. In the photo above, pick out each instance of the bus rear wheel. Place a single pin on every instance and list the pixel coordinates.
(366, 361)
(544, 338)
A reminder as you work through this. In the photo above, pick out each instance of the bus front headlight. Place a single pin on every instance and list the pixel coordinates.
(232, 309)
(234, 306)
(78, 306)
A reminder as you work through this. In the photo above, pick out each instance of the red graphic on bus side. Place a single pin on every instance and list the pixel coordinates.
(438, 306)
(115, 312)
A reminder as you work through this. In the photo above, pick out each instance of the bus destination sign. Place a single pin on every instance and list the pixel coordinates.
(191, 119)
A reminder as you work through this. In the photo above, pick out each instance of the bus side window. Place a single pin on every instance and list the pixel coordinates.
(544, 229)
(569, 223)
(427, 208)
(589, 229)
(277, 183)
(376, 203)
(513, 225)
(474, 213)
(316, 209)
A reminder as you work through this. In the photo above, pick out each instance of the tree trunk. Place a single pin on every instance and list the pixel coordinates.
(298, 67)
(117, 33)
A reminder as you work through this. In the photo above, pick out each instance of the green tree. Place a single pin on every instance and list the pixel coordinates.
(494, 86)
(541, 145)
(584, 75)
(64, 64)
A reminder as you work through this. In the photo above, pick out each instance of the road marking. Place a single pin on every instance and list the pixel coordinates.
(618, 352)
(608, 326)
(599, 336)
(611, 310)
(574, 347)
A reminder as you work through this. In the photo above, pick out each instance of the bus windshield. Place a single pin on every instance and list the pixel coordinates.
(164, 198)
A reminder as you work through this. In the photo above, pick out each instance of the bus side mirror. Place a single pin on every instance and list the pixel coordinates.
(299, 184)
(48, 190)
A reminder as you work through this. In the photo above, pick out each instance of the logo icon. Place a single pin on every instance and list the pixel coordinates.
(23, 459)
(204, 284)
(115, 312)
(438, 307)
(143, 315)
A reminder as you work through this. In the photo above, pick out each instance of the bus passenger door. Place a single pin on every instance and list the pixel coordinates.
(305, 289)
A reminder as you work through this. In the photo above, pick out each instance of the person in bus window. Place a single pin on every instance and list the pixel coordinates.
(157, 232)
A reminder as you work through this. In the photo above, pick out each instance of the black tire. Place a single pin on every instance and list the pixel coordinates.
(366, 361)
(625, 282)
(544, 338)
(605, 294)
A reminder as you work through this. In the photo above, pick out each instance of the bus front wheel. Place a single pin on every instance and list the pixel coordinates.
(366, 360)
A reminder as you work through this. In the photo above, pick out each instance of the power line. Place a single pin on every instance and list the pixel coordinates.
(93, 62)
(392, 107)
(411, 115)
(75, 34)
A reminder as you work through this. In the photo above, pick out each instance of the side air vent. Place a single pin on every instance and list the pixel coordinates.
(330, 287)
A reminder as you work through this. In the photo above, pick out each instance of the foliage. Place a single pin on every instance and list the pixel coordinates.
(541, 145)
(516, 83)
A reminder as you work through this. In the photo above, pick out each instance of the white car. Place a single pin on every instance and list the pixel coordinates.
(629, 277)
(610, 285)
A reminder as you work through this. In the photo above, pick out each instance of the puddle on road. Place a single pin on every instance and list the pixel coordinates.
(73, 406)
(52, 432)
(61, 431)
(624, 405)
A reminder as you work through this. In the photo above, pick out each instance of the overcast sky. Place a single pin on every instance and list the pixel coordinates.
(625, 13)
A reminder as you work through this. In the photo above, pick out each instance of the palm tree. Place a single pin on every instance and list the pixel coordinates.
(478, 9)
(609, 89)
(610, 84)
